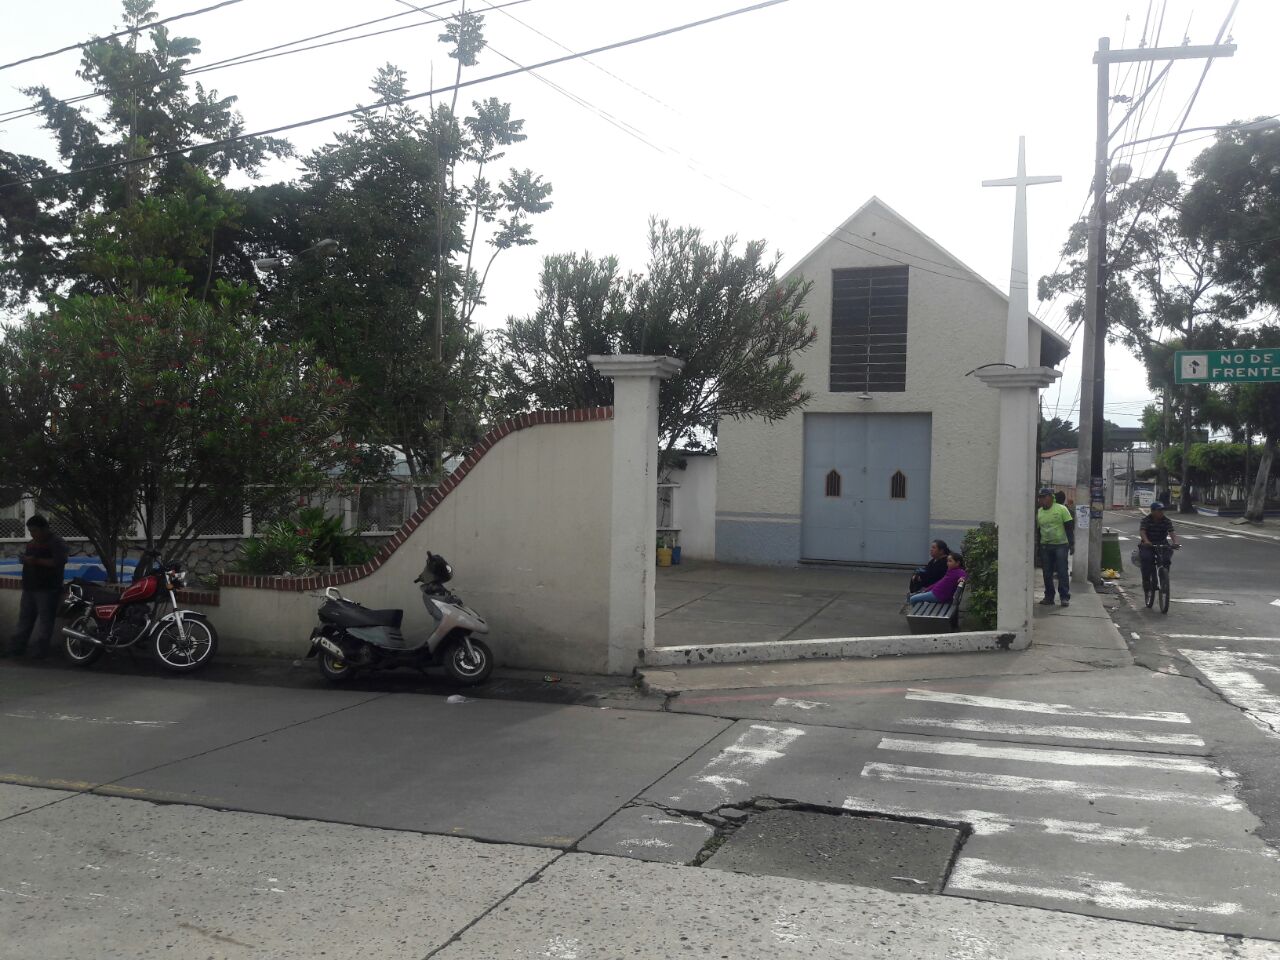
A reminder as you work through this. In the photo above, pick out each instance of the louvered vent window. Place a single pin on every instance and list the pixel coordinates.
(833, 484)
(869, 330)
(898, 486)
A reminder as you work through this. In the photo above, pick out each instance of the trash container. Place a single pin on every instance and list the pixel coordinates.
(1111, 551)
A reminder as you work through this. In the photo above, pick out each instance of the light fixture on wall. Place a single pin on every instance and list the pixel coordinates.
(864, 395)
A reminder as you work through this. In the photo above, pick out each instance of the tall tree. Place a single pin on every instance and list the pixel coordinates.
(419, 218)
(725, 313)
(1058, 434)
(1233, 207)
(1162, 282)
(170, 214)
(163, 411)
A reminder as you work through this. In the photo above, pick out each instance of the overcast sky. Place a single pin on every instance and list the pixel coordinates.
(774, 125)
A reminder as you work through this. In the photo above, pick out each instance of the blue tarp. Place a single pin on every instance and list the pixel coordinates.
(90, 568)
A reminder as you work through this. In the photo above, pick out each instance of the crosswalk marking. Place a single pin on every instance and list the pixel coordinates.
(987, 823)
(1214, 636)
(1031, 706)
(972, 725)
(1008, 783)
(1226, 671)
(1069, 758)
(973, 873)
(1213, 536)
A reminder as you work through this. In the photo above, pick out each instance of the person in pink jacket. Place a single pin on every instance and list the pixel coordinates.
(944, 589)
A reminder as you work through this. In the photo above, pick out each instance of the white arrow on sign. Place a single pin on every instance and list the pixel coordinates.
(1195, 366)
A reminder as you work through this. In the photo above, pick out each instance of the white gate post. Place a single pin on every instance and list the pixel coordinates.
(633, 528)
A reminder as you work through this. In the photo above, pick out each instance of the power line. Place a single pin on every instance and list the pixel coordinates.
(253, 56)
(227, 141)
(1173, 141)
(119, 33)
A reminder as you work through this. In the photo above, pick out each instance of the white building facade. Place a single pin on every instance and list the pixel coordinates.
(898, 445)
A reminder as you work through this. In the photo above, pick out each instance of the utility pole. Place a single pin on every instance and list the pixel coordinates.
(1090, 483)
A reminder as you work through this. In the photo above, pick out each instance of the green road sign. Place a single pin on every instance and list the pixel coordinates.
(1227, 366)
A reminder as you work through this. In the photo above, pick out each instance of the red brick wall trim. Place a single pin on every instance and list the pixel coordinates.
(476, 454)
(203, 598)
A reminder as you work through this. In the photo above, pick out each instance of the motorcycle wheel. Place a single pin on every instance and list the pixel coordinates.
(81, 652)
(184, 656)
(464, 669)
(334, 669)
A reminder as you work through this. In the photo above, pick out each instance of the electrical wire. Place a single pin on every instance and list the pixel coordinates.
(253, 56)
(1173, 142)
(227, 141)
(693, 165)
(119, 33)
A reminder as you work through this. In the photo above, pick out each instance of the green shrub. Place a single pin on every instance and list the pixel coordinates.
(982, 566)
(309, 541)
(280, 548)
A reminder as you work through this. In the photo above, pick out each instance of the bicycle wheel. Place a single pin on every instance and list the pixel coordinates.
(1163, 575)
(1149, 590)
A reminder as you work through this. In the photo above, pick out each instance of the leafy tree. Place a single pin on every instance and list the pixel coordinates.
(1162, 282)
(1234, 207)
(726, 314)
(31, 221)
(111, 229)
(420, 219)
(1058, 434)
(163, 410)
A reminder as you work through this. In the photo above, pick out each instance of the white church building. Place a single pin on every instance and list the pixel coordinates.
(899, 444)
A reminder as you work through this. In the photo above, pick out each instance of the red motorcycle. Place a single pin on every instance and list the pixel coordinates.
(146, 614)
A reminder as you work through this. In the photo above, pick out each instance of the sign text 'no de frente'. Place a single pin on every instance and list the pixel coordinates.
(1227, 366)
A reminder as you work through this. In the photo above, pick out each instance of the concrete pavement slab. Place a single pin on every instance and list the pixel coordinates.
(98, 732)
(647, 833)
(672, 632)
(737, 611)
(593, 908)
(495, 770)
(871, 620)
(1108, 827)
(20, 679)
(17, 799)
(95, 878)
(672, 594)
(863, 851)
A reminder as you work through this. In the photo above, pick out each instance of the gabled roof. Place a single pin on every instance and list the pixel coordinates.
(1053, 348)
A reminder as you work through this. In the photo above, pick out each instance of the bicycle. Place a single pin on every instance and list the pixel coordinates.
(1161, 557)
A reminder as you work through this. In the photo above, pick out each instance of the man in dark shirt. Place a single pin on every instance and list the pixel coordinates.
(1154, 529)
(43, 561)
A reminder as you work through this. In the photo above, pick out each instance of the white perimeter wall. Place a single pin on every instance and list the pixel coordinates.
(527, 532)
(695, 507)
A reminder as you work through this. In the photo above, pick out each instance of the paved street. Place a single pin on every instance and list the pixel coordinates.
(1103, 807)
(1222, 631)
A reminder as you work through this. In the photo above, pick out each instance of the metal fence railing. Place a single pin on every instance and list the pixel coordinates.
(368, 509)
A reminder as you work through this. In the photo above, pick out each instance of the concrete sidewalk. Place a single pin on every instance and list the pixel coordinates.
(1079, 637)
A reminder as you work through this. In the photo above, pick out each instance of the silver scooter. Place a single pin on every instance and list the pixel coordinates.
(352, 638)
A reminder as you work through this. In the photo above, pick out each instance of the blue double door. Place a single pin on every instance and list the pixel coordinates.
(866, 487)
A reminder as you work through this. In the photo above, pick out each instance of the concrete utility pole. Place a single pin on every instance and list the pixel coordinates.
(1090, 483)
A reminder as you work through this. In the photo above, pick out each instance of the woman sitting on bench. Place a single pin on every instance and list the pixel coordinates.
(933, 571)
(944, 589)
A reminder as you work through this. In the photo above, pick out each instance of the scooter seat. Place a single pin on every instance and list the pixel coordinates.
(351, 614)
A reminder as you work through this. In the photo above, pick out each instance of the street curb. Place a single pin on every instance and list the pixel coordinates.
(834, 648)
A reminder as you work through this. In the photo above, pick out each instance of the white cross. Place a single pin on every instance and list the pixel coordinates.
(1016, 349)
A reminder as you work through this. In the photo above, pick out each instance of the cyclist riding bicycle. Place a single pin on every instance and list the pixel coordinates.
(1155, 530)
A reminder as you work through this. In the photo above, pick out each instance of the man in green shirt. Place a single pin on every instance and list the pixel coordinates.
(1056, 533)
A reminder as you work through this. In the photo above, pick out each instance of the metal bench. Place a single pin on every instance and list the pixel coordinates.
(934, 617)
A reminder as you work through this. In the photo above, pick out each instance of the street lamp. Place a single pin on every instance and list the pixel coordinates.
(1089, 473)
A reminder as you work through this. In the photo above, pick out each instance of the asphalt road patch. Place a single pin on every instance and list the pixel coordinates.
(888, 854)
